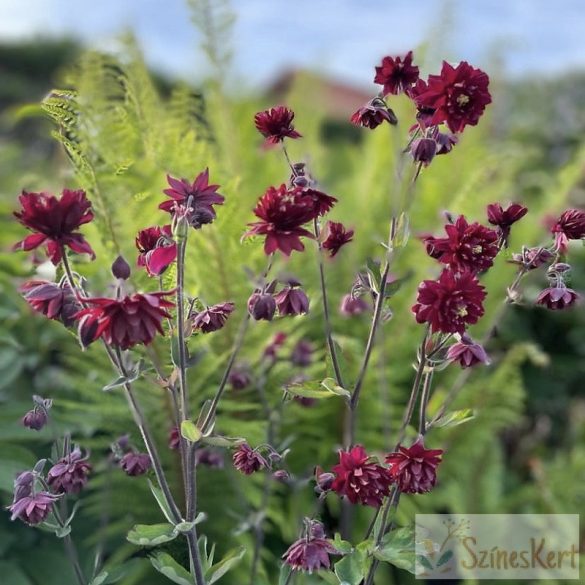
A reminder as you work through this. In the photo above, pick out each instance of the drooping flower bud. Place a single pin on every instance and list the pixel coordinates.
(121, 268)
(262, 306)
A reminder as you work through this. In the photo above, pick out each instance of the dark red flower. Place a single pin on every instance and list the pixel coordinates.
(212, 318)
(209, 458)
(414, 469)
(360, 479)
(310, 553)
(34, 508)
(199, 198)
(125, 322)
(505, 218)
(450, 303)
(337, 237)
(321, 201)
(458, 95)
(248, 460)
(54, 222)
(292, 300)
(351, 306)
(157, 249)
(69, 474)
(282, 214)
(396, 74)
(570, 226)
(135, 463)
(467, 353)
(467, 246)
(275, 124)
(374, 113)
(557, 298)
(52, 300)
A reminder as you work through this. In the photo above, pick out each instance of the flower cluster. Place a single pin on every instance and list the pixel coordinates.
(456, 98)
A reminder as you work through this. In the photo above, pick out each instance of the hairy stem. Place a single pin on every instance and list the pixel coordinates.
(426, 392)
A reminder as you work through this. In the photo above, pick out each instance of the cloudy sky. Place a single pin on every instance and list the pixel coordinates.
(341, 37)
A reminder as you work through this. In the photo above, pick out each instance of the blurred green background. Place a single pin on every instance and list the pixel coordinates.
(123, 131)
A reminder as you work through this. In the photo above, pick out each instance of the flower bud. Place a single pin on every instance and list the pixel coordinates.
(423, 150)
(121, 268)
(35, 419)
(281, 475)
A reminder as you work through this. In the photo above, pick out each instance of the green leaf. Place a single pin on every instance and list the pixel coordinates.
(312, 389)
(343, 546)
(457, 417)
(184, 527)
(402, 231)
(162, 504)
(373, 269)
(351, 569)
(332, 386)
(398, 548)
(165, 564)
(100, 579)
(445, 558)
(284, 574)
(220, 441)
(424, 562)
(231, 559)
(190, 431)
(393, 287)
(151, 534)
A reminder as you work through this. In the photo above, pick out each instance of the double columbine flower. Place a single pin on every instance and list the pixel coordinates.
(311, 552)
(467, 353)
(569, 226)
(503, 219)
(248, 460)
(196, 199)
(276, 124)
(337, 237)
(414, 468)
(212, 318)
(55, 301)
(69, 475)
(471, 247)
(126, 322)
(55, 222)
(450, 303)
(157, 249)
(397, 74)
(360, 479)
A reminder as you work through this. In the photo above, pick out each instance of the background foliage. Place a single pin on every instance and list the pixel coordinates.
(116, 131)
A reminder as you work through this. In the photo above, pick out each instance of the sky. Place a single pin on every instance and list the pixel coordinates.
(342, 38)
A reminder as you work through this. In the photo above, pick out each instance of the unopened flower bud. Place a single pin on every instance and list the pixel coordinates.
(121, 268)
(323, 481)
(423, 150)
(262, 306)
(35, 419)
(281, 475)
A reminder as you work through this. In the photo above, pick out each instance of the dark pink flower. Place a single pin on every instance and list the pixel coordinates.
(69, 474)
(302, 354)
(135, 463)
(213, 318)
(569, 226)
(54, 222)
(292, 300)
(337, 237)
(198, 197)
(467, 353)
(450, 303)
(467, 246)
(275, 124)
(310, 553)
(374, 113)
(458, 95)
(351, 306)
(414, 469)
(174, 441)
(34, 508)
(505, 218)
(35, 419)
(396, 74)
(125, 322)
(157, 249)
(360, 479)
(248, 460)
(423, 150)
(557, 298)
(282, 214)
(240, 377)
(262, 306)
(51, 299)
